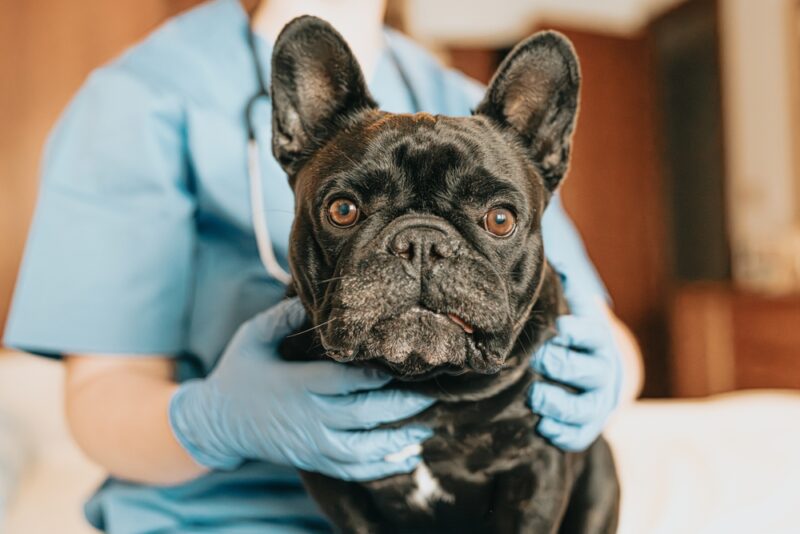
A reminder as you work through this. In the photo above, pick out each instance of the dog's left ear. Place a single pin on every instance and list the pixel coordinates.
(535, 93)
(316, 85)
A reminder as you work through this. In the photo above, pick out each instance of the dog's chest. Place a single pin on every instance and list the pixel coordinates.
(474, 443)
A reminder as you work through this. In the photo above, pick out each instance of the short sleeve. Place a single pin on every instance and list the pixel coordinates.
(107, 264)
(565, 251)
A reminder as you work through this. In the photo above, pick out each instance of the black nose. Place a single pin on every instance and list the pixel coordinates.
(421, 245)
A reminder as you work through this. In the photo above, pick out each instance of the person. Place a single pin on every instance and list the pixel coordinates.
(142, 272)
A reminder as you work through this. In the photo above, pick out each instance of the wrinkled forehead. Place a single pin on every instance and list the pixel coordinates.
(428, 155)
(435, 145)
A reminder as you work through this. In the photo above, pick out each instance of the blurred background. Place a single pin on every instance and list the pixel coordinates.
(685, 181)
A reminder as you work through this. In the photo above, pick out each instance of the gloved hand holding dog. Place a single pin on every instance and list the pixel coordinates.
(315, 416)
(583, 355)
(223, 420)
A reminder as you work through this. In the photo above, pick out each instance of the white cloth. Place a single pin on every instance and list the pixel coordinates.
(13, 458)
(726, 465)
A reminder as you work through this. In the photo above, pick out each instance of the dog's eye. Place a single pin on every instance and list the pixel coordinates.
(499, 222)
(343, 212)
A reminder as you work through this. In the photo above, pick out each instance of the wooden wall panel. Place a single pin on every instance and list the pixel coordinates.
(477, 63)
(701, 325)
(766, 337)
(47, 48)
(727, 339)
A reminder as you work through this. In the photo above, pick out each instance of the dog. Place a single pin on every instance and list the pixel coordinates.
(417, 249)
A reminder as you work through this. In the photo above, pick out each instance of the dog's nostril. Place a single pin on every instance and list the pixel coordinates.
(429, 251)
(421, 245)
(439, 251)
(403, 249)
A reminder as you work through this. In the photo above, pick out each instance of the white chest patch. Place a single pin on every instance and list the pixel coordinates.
(428, 490)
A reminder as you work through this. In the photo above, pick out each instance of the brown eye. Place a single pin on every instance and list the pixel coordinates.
(499, 222)
(343, 212)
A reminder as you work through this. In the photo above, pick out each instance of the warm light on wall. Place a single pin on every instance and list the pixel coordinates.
(760, 61)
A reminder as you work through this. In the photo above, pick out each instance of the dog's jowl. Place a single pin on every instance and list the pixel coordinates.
(417, 249)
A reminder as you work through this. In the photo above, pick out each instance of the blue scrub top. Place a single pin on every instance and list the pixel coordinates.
(142, 241)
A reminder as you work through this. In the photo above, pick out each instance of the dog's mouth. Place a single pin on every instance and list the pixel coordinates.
(454, 318)
(467, 328)
(414, 343)
(402, 372)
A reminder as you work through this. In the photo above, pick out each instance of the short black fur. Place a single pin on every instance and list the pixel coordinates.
(420, 288)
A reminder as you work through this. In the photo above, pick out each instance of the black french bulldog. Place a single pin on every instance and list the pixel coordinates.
(417, 248)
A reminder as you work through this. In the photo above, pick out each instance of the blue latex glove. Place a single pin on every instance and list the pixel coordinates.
(312, 415)
(583, 355)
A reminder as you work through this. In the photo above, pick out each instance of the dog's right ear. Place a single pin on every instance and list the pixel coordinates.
(316, 85)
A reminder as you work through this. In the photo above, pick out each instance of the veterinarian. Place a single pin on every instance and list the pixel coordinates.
(145, 272)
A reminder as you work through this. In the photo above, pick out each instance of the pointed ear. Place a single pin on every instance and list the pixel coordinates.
(316, 85)
(535, 93)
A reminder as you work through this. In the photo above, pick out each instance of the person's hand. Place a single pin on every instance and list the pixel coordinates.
(585, 356)
(315, 416)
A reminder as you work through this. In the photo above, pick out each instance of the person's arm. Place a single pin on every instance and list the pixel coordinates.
(117, 412)
(128, 415)
(631, 357)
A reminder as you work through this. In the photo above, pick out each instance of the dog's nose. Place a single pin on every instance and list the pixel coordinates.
(421, 245)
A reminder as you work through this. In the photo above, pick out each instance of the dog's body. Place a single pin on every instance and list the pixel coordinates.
(485, 470)
(417, 249)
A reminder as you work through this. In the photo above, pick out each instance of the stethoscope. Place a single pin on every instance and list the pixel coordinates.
(259, 214)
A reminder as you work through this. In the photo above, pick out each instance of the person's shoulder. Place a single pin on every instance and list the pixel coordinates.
(458, 93)
(185, 55)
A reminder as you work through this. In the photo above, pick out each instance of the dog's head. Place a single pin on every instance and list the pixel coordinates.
(417, 243)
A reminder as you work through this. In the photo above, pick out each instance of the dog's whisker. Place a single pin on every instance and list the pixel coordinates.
(320, 282)
(312, 328)
(527, 336)
(439, 385)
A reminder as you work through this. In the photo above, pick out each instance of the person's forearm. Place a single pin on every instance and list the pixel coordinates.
(631, 356)
(117, 409)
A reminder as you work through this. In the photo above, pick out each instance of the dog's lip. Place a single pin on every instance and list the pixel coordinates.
(399, 373)
(465, 326)
(461, 322)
